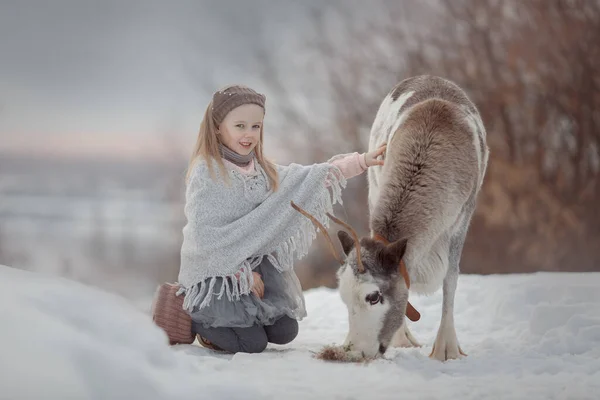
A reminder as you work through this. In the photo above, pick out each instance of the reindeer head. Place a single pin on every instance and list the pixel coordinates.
(373, 284)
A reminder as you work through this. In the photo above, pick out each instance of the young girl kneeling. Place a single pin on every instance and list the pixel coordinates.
(242, 235)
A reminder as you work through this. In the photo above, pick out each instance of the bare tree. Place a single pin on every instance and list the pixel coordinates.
(533, 69)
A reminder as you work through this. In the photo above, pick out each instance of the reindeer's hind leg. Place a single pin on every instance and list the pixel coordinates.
(446, 344)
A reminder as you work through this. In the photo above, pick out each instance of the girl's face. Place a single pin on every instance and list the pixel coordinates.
(240, 129)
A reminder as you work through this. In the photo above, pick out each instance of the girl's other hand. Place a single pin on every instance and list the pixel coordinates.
(371, 157)
(259, 287)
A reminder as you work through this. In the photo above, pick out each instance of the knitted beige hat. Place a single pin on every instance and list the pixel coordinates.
(231, 97)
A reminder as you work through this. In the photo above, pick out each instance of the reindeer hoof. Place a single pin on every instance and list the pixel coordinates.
(445, 352)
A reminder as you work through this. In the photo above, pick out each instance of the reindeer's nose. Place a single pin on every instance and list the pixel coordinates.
(382, 348)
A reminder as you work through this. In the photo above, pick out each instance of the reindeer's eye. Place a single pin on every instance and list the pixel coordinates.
(374, 298)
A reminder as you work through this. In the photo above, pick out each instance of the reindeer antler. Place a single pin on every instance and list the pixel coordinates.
(321, 228)
(361, 267)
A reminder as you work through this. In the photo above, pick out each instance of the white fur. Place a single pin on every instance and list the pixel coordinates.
(386, 121)
(446, 344)
(365, 320)
(477, 130)
(428, 268)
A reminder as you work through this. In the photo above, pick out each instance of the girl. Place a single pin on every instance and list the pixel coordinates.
(242, 235)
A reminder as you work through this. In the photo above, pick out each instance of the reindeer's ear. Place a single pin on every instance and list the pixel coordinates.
(346, 241)
(393, 253)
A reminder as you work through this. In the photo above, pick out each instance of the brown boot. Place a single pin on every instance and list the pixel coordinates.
(168, 314)
(206, 343)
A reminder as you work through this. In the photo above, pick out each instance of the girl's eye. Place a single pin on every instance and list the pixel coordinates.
(241, 126)
(374, 298)
(256, 127)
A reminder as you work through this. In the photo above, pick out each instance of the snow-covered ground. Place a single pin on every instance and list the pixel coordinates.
(527, 337)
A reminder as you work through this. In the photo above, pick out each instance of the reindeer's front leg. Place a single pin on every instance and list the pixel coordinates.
(403, 337)
(446, 345)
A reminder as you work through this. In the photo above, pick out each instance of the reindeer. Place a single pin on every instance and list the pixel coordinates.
(420, 205)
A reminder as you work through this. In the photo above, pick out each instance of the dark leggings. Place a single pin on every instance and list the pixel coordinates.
(249, 340)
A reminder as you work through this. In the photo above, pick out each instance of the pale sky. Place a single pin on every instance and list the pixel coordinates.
(126, 76)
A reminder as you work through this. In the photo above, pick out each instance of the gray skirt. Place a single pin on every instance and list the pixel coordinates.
(283, 296)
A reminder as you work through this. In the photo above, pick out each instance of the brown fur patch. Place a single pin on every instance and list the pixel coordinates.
(431, 161)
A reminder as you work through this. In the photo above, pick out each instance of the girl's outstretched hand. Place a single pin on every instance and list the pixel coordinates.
(371, 157)
(259, 287)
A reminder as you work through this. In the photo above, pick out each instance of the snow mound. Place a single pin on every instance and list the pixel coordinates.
(63, 340)
(527, 337)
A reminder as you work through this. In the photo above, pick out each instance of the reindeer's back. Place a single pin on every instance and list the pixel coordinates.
(433, 166)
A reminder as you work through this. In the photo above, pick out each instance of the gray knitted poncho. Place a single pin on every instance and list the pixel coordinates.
(231, 227)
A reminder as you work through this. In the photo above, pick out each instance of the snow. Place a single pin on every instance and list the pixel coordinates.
(527, 337)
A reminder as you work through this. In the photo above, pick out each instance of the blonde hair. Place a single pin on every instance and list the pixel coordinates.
(207, 147)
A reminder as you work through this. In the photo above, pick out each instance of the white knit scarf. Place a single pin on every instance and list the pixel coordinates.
(230, 228)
